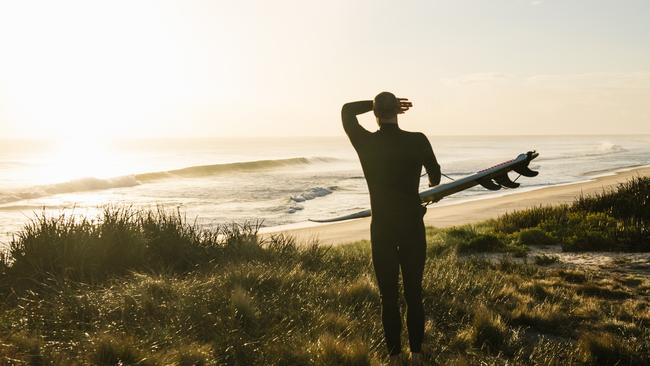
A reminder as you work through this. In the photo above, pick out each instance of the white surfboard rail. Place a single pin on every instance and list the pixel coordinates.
(493, 178)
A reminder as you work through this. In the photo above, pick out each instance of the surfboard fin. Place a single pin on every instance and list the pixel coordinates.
(505, 181)
(525, 171)
(489, 184)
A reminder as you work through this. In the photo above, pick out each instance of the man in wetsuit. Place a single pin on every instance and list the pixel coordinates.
(392, 161)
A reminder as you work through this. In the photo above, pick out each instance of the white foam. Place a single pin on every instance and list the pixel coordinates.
(76, 185)
(310, 194)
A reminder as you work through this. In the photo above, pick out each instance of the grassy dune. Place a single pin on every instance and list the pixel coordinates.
(149, 288)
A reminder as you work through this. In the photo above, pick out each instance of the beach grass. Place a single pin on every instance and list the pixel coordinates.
(614, 220)
(150, 288)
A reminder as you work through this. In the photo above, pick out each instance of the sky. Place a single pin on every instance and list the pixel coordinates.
(115, 69)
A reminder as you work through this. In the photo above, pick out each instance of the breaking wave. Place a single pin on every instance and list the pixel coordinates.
(206, 170)
(94, 184)
(309, 194)
(76, 185)
(606, 147)
(312, 193)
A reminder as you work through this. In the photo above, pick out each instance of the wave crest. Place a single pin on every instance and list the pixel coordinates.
(76, 185)
(610, 147)
(206, 170)
(311, 193)
(94, 184)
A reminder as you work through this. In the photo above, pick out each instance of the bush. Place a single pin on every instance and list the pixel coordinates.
(456, 236)
(630, 200)
(591, 231)
(534, 236)
(482, 243)
(119, 241)
(532, 217)
(610, 221)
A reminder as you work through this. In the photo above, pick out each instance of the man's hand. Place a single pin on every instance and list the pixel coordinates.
(403, 105)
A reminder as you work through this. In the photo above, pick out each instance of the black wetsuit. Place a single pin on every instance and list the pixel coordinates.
(392, 161)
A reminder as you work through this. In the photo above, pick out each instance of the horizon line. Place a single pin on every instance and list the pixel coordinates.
(18, 138)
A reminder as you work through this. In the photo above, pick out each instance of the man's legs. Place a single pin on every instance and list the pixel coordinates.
(412, 255)
(386, 264)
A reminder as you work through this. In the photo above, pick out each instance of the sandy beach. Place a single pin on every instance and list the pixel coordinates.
(471, 211)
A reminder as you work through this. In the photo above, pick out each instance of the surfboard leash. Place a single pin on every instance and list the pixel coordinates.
(443, 174)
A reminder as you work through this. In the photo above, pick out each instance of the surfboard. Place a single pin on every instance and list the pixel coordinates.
(492, 178)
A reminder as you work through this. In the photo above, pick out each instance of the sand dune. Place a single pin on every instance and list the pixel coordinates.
(468, 212)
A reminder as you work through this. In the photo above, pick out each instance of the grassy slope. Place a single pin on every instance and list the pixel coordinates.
(147, 288)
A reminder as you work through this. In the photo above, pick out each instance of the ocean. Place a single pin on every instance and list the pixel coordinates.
(277, 180)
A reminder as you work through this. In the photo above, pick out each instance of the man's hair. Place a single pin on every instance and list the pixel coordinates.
(385, 105)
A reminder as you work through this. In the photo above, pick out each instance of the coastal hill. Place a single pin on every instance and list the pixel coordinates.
(148, 288)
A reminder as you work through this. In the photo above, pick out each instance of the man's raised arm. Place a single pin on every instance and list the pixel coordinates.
(349, 114)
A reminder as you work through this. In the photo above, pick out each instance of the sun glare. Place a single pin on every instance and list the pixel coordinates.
(84, 158)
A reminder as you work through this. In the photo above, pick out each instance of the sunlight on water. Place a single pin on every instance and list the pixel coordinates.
(80, 159)
(280, 181)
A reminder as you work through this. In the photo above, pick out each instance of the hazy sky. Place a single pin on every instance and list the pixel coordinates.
(231, 68)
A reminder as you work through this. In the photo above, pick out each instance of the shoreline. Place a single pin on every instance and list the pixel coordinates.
(467, 212)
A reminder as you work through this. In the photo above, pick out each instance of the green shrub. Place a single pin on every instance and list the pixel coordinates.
(613, 220)
(630, 200)
(482, 243)
(458, 235)
(534, 236)
(591, 231)
(119, 241)
(532, 217)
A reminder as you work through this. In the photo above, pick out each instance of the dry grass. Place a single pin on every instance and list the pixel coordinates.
(151, 289)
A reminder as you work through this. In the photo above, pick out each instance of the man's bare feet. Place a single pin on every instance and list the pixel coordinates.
(416, 359)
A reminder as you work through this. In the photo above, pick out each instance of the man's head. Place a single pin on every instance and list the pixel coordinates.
(385, 107)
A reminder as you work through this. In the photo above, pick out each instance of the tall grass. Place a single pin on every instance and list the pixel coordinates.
(289, 304)
(614, 220)
(119, 241)
(150, 288)
(630, 200)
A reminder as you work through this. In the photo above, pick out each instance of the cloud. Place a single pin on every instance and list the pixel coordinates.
(602, 80)
(598, 80)
(478, 78)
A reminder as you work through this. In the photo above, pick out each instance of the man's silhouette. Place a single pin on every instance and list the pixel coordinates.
(392, 161)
